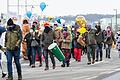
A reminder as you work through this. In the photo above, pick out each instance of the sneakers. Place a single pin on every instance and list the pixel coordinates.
(3, 75)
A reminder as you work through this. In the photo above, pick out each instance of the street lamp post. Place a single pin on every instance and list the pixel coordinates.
(26, 5)
(18, 7)
(116, 27)
(7, 6)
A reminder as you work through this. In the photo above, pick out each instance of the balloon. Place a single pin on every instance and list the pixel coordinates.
(82, 30)
(42, 6)
(50, 17)
(81, 21)
(59, 20)
(29, 14)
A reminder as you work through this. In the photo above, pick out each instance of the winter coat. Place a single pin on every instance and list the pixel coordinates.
(90, 37)
(12, 39)
(58, 35)
(99, 37)
(28, 39)
(47, 38)
(25, 29)
(66, 44)
(76, 44)
(110, 39)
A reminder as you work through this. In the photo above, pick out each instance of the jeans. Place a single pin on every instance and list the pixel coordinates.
(91, 53)
(108, 50)
(46, 52)
(34, 50)
(99, 50)
(29, 54)
(10, 55)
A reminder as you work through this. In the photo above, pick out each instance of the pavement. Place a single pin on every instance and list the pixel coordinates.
(108, 69)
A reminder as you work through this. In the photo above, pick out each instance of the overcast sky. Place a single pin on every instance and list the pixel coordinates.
(64, 7)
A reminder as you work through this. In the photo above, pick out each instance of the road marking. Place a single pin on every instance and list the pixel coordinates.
(91, 77)
(107, 72)
(80, 77)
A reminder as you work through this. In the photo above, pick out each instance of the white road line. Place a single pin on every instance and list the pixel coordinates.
(118, 69)
(107, 72)
(79, 77)
(91, 77)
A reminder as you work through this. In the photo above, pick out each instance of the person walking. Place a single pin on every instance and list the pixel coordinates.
(25, 30)
(65, 46)
(47, 38)
(77, 48)
(90, 42)
(109, 41)
(12, 44)
(99, 35)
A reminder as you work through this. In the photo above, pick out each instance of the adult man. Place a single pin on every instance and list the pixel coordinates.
(91, 44)
(99, 39)
(47, 38)
(12, 43)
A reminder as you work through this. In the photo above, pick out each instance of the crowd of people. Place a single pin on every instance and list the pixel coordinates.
(32, 41)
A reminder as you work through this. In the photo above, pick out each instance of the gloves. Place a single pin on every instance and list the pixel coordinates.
(3, 49)
(16, 48)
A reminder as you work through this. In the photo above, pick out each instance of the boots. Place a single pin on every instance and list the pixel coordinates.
(46, 68)
(68, 64)
(63, 65)
(19, 77)
(10, 78)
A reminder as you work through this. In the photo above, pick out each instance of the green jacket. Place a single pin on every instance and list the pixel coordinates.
(12, 39)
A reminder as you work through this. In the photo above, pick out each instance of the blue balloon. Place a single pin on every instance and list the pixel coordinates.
(42, 6)
(29, 14)
(59, 20)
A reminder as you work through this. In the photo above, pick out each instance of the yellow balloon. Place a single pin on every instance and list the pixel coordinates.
(82, 30)
(50, 17)
(81, 21)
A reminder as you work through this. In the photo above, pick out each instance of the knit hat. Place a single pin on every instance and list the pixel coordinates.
(10, 22)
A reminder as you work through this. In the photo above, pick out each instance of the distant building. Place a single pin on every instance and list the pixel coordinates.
(110, 22)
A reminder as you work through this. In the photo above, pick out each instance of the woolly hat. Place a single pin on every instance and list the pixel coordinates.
(10, 22)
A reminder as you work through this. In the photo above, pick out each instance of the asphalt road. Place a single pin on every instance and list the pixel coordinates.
(108, 69)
